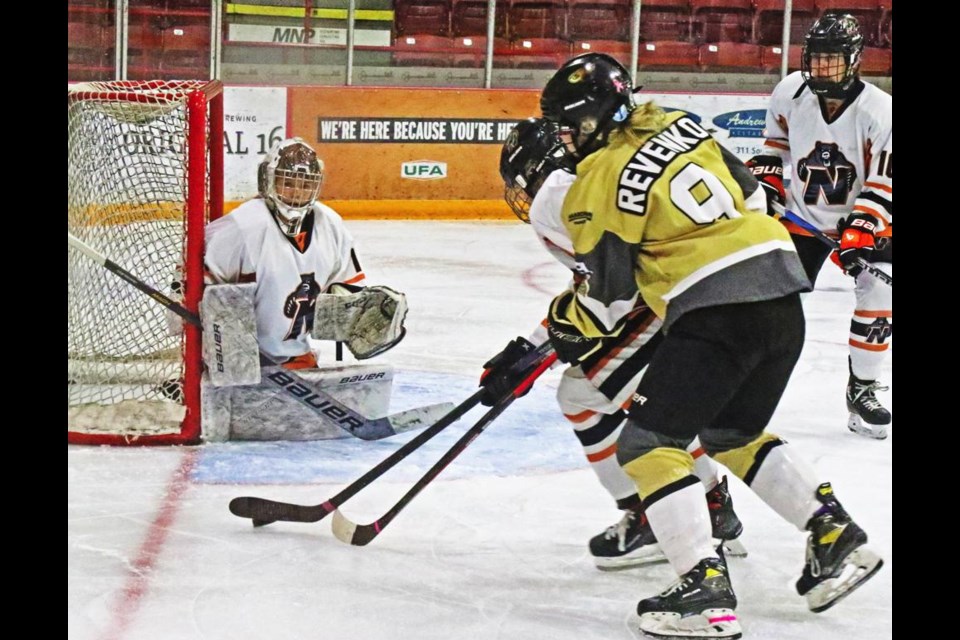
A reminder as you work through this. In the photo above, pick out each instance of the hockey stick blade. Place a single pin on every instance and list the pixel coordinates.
(354, 534)
(418, 418)
(263, 511)
(783, 212)
(288, 381)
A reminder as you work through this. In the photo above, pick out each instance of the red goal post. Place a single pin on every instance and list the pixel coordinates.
(144, 176)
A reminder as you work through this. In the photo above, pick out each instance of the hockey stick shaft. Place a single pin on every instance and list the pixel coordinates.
(832, 243)
(292, 384)
(359, 535)
(131, 279)
(263, 511)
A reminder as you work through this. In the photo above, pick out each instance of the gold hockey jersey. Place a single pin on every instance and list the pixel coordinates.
(678, 220)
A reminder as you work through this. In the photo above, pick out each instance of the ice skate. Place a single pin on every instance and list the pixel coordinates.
(867, 416)
(726, 525)
(701, 604)
(838, 561)
(629, 543)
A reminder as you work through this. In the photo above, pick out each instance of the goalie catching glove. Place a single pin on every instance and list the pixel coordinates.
(368, 319)
(768, 170)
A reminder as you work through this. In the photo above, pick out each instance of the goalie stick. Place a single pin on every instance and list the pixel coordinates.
(263, 511)
(800, 222)
(361, 534)
(323, 404)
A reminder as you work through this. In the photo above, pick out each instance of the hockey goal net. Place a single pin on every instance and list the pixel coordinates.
(144, 175)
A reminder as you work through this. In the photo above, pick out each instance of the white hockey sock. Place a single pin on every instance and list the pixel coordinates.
(681, 522)
(788, 484)
(703, 465)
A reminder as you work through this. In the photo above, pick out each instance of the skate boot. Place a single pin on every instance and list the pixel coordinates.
(726, 525)
(701, 604)
(837, 559)
(628, 543)
(867, 415)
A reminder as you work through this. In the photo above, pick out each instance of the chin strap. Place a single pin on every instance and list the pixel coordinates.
(289, 227)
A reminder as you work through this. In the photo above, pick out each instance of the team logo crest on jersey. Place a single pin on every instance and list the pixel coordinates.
(827, 175)
(299, 306)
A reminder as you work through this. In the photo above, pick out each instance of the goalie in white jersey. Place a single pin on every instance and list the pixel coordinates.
(281, 269)
(836, 131)
(294, 248)
(592, 395)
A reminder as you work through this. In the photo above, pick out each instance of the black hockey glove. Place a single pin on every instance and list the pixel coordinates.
(570, 344)
(769, 171)
(498, 377)
(857, 240)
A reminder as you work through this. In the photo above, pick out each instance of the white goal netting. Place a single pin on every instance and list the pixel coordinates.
(129, 184)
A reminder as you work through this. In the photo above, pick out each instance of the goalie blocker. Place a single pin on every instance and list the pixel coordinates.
(369, 320)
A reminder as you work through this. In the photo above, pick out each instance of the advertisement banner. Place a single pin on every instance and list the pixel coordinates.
(422, 152)
(254, 118)
(428, 153)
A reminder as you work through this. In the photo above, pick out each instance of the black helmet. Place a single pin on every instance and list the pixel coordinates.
(588, 95)
(833, 33)
(531, 152)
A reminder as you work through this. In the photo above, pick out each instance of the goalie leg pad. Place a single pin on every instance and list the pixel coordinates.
(230, 347)
(370, 321)
(273, 412)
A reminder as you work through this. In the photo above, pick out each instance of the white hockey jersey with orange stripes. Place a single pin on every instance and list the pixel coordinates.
(841, 165)
(248, 246)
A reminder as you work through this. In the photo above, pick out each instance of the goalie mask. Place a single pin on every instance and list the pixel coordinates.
(587, 97)
(831, 55)
(531, 152)
(289, 179)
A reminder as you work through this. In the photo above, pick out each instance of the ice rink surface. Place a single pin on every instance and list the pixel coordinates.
(496, 547)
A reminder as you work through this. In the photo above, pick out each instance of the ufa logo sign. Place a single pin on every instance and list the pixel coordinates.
(423, 170)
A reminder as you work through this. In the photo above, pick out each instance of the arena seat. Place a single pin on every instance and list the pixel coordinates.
(423, 50)
(470, 52)
(469, 18)
(669, 54)
(185, 47)
(538, 53)
(85, 42)
(536, 19)
(665, 20)
(886, 23)
(867, 12)
(721, 20)
(599, 19)
(422, 17)
(876, 61)
(617, 48)
(771, 56)
(730, 57)
(767, 24)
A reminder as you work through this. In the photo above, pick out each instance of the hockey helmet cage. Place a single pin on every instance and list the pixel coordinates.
(531, 152)
(289, 179)
(837, 33)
